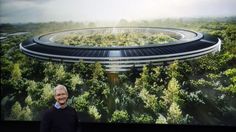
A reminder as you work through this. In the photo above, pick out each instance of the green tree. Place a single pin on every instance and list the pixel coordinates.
(143, 81)
(156, 84)
(16, 111)
(149, 100)
(155, 73)
(73, 81)
(48, 71)
(142, 118)
(82, 69)
(16, 72)
(59, 73)
(173, 69)
(28, 100)
(26, 114)
(54, 72)
(174, 115)
(81, 102)
(161, 119)
(171, 94)
(46, 96)
(6, 72)
(208, 63)
(98, 72)
(231, 73)
(120, 116)
(98, 87)
(32, 89)
(19, 113)
(93, 111)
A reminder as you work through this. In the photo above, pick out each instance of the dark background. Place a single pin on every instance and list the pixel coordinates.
(34, 126)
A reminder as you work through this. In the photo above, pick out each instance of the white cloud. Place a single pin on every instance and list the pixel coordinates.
(92, 10)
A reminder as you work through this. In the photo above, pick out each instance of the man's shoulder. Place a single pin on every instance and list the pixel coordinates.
(49, 110)
(71, 108)
(46, 113)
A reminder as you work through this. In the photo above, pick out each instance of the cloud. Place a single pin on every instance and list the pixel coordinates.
(103, 10)
(16, 1)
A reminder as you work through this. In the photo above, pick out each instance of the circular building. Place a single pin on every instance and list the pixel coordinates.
(117, 58)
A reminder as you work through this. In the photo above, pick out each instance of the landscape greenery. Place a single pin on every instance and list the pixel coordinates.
(115, 39)
(200, 91)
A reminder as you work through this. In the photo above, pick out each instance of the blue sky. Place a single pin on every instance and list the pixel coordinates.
(15, 11)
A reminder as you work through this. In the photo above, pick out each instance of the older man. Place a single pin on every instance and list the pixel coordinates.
(61, 117)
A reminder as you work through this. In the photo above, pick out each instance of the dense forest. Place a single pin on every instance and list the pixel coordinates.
(115, 39)
(199, 91)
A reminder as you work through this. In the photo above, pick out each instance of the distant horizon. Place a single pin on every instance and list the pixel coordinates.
(224, 18)
(26, 11)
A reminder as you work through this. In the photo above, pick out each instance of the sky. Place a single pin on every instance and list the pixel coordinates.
(23, 11)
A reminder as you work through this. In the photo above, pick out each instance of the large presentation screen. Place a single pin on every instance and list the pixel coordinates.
(122, 61)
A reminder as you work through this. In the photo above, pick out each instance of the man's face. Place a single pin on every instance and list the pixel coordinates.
(61, 96)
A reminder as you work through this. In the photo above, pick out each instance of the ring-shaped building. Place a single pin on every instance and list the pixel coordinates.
(189, 45)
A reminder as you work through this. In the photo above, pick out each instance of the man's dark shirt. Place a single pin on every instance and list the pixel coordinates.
(59, 120)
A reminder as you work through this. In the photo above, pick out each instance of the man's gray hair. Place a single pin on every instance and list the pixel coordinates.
(59, 86)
